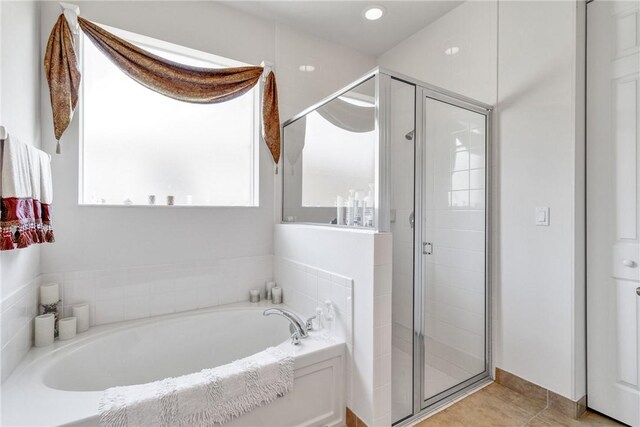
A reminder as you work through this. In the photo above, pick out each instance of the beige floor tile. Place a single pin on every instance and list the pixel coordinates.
(593, 419)
(483, 409)
(529, 405)
(553, 418)
(442, 419)
(496, 405)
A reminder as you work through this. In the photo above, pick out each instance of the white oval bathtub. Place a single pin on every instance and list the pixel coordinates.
(62, 384)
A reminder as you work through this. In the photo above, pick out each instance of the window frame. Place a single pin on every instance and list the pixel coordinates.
(162, 45)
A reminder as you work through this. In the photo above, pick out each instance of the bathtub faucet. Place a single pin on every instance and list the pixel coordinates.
(298, 327)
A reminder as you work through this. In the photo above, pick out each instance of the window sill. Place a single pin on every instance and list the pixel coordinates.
(106, 205)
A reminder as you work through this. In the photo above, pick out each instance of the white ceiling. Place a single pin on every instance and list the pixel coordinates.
(342, 21)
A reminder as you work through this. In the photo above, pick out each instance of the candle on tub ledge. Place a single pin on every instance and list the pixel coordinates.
(68, 327)
(49, 294)
(44, 329)
(81, 313)
(254, 295)
(269, 287)
(276, 294)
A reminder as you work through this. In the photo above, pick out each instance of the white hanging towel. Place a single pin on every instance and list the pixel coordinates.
(16, 175)
(25, 179)
(207, 398)
(15, 193)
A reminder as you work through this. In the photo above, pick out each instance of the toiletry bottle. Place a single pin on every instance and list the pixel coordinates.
(351, 208)
(329, 315)
(368, 208)
(340, 211)
(318, 321)
(359, 209)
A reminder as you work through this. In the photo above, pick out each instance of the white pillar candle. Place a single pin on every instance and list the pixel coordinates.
(67, 328)
(269, 286)
(44, 329)
(49, 294)
(276, 294)
(254, 295)
(81, 313)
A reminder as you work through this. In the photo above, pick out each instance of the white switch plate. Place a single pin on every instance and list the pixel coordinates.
(542, 216)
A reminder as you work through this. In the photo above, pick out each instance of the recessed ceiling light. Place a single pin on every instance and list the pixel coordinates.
(373, 13)
(452, 50)
(307, 68)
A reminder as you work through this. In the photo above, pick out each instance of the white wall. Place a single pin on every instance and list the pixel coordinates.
(541, 302)
(20, 113)
(472, 72)
(531, 75)
(336, 67)
(20, 61)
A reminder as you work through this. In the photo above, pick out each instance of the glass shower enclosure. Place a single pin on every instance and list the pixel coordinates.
(398, 155)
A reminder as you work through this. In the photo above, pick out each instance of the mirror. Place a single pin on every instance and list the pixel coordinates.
(329, 161)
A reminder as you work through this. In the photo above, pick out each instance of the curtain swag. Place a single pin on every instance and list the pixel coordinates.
(177, 81)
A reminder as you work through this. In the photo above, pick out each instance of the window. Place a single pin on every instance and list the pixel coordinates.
(138, 145)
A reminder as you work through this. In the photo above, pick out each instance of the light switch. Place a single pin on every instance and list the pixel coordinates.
(542, 216)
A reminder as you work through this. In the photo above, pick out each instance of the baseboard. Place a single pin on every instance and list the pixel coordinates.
(553, 400)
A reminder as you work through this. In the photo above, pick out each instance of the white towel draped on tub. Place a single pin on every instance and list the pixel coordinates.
(207, 398)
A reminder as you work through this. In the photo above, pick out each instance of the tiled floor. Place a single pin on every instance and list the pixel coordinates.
(496, 405)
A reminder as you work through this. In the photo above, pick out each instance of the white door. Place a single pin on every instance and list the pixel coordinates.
(613, 214)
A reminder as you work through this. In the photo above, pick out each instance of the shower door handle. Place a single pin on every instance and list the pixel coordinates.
(427, 248)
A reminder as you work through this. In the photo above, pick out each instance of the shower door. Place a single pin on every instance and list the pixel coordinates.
(451, 259)
(437, 144)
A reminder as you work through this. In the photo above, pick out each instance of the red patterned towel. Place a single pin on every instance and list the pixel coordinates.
(25, 196)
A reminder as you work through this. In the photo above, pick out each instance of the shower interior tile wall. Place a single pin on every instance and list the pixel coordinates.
(16, 318)
(139, 292)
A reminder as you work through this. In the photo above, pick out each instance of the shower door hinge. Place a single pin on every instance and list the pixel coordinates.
(427, 248)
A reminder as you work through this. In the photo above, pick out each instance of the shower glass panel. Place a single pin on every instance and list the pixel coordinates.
(454, 258)
(402, 99)
(330, 161)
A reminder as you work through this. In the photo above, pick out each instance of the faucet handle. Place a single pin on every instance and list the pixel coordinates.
(295, 338)
(309, 323)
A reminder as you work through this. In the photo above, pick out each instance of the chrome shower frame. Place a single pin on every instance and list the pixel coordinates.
(423, 91)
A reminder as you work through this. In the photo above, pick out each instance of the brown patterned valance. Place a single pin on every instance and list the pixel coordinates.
(177, 81)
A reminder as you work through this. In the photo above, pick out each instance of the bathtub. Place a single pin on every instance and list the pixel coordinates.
(62, 384)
